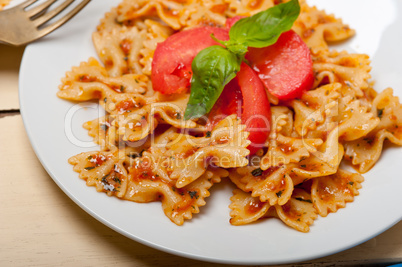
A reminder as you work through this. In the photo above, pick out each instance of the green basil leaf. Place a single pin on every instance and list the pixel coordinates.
(213, 68)
(264, 28)
(237, 48)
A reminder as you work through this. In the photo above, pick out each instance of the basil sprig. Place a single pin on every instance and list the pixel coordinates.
(213, 68)
(216, 66)
(264, 28)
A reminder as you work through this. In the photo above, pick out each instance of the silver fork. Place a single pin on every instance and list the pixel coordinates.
(19, 26)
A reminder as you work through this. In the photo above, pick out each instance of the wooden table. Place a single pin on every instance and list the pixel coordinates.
(41, 226)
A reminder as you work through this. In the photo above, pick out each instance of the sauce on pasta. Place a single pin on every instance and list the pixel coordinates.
(148, 152)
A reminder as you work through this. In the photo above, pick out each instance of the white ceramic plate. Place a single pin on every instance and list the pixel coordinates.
(54, 128)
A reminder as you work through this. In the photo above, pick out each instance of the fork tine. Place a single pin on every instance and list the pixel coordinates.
(36, 10)
(48, 16)
(27, 3)
(67, 17)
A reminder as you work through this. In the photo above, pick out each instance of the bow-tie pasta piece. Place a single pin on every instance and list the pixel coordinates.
(110, 20)
(119, 49)
(104, 170)
(193, 196)
(211, 15)
(248, 7)
(138, 116)
(313, 110)
(178, 204)
(91, 81)
(281, 121)
(318, 29)
(273, 185)
(175, 14)
(285, 150)
(329, 193)
(352, 70)
(246, 209)
(299, 212)
(156, 33)
(355, 120)
(366, 151)
(324, 161)
(226, 148)
(103, 133)
(167, 11)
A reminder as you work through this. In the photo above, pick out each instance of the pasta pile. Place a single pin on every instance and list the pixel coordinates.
(148, 152)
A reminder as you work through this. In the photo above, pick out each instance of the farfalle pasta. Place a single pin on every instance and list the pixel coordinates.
(148, 151)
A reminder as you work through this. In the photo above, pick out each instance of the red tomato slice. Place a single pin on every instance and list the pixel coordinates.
(229, 102)
(171, 66)
(285, 68)
(231, 21)
(256, 108)
(245, 96)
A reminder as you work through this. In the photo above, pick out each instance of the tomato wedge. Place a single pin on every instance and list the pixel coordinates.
(171, 66)
(245, 96)
(229, 102)
(285, 68)
(231, 21)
